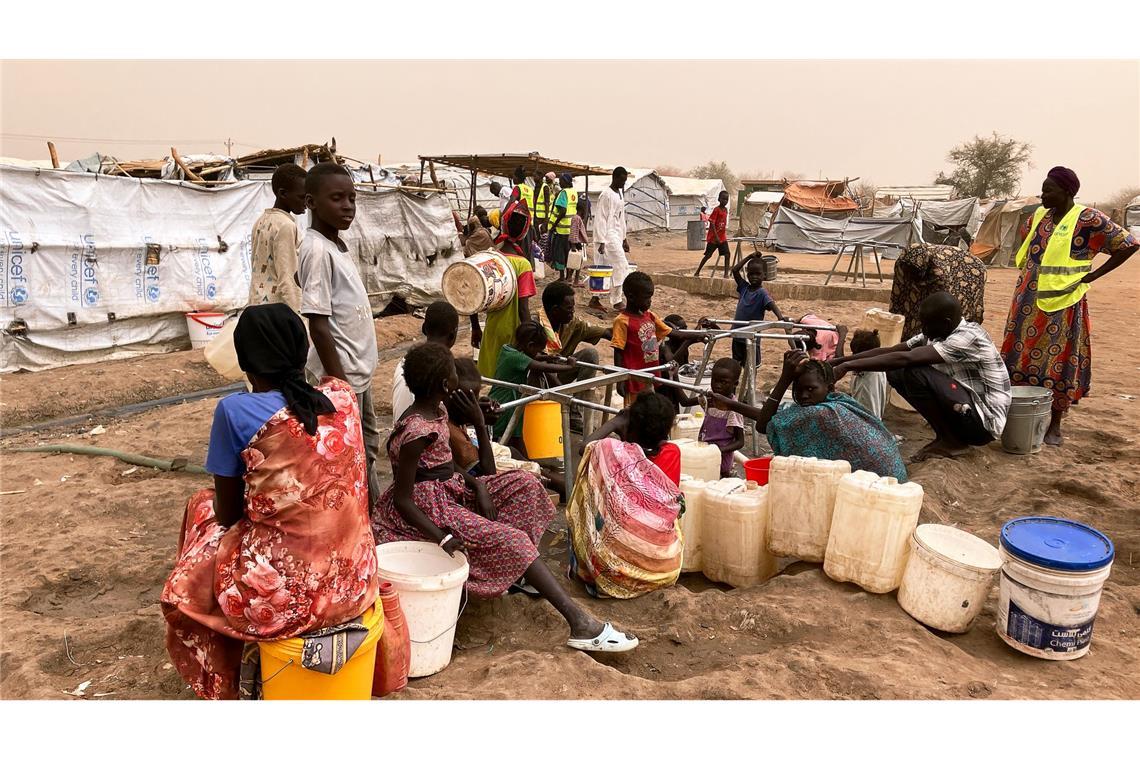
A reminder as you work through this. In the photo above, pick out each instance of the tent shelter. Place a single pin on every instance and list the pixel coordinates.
(100, 267)
(997, 240)
(749, 186)
(793, 230)
(757, 211)
(646, 199)
(686, 197)
(888, 195)
(940, 221)
(1132, 216)
(827, 198)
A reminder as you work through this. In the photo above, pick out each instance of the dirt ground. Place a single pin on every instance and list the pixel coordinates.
(88, 542)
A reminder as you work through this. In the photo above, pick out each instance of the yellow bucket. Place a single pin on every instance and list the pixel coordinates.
(283, 677)
(542, 429)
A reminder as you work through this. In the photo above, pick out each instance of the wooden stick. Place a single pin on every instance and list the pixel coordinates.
(53, 154)
(182, 165)
(12, 493)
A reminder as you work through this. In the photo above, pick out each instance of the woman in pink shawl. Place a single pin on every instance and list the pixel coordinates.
(281, 546)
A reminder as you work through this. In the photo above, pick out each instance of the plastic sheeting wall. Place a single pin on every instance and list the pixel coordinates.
(75, 271)
(796, 231)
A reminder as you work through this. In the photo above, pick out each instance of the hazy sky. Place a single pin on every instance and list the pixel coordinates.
(888, 121)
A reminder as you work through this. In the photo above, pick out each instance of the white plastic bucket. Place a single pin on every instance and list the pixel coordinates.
(203, 326)
(948, 576)
(221, 353)
(1051, 579)
(430, 584)
(484, 281)
(1027, 420)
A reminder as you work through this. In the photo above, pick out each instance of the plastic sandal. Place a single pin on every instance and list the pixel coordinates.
(609, 640)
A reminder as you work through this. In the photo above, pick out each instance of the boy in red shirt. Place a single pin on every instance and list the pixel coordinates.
(716, 239)
(638, 333)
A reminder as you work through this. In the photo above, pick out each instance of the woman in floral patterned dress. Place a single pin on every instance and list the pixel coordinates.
(495, 520)
(1054, 349)
(281, 545)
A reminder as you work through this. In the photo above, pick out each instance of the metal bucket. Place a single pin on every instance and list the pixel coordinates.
(696, 235)
(1028, 419)
(770, 263)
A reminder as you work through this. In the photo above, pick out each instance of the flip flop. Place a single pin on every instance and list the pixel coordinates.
(522, 587)
(609, 640)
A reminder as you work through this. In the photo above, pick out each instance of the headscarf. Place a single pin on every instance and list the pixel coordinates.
(566, 179)
(550, 176)
(270, 342)
(516, 223)
(1065, 178)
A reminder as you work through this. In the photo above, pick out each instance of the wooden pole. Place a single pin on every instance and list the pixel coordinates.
(182, 165)
(53, 154)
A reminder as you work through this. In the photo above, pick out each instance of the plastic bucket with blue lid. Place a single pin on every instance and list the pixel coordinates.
(1052, 574)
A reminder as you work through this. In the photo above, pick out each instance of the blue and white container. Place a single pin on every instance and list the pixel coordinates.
(1052, 574)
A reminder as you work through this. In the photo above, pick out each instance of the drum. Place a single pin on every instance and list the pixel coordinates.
(484, 281)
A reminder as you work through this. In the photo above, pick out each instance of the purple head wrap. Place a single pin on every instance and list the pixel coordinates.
(1065, 178)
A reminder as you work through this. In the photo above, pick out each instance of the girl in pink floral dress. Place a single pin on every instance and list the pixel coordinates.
(495, 520)
(281, 545)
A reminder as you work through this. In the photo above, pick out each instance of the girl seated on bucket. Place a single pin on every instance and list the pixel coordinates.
(524, 363)
(647, 423)
(496, 520)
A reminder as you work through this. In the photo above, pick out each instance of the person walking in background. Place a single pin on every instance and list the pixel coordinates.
(716, 239)
(609, 229)
(335, 301)
(1048, 336)
(579, 237)
(273, 260)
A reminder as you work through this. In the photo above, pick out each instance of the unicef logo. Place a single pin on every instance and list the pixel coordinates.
(18, 295)
(153, 293)
(91, 296)
(211, 291)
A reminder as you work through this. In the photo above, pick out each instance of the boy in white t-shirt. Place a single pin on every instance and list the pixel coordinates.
(335, 302)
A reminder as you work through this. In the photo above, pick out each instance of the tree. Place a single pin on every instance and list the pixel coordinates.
(717, 170)
(987, 167)
(865, 192)
(1118, 200)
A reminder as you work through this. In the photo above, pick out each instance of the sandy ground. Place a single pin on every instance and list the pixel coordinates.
(87, 544)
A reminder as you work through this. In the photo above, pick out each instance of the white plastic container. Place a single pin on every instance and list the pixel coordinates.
(733, 525)
(801, 491)
(889, 325)
(948, 576)
(482, 282)
(1050, 585)
(203, 326)
(691, 523)
(430, 584)
(699, 460)
(870, 530)
(686, 426)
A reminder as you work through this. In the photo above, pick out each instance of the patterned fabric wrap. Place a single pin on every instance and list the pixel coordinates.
(301, 558)
(498, 551)
(925, 269)
(622, 518)
(837, 429)
(1054, 349)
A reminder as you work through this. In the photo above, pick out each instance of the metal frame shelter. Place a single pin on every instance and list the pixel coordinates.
(503, 165)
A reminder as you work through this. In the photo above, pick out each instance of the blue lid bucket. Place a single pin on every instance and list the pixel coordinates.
(1057, 544)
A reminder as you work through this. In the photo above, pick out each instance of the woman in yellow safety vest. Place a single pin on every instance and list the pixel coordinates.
(1048, 334)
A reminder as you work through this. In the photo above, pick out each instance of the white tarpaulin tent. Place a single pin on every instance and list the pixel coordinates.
(687, 195)
(756, 214)
(793, 230)
(1132, 216)
(94, 267)
(963, 213)
(646, 199)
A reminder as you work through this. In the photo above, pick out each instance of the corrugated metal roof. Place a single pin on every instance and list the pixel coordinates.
(918, 192)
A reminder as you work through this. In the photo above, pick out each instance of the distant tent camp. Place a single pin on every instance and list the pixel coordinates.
(1132, 216)
(796, 231)
(646, 199)
(997, 240)
(686, 197)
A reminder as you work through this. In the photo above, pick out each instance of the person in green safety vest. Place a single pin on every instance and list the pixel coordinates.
(565, 208)
(543, 196)
(1048, 333)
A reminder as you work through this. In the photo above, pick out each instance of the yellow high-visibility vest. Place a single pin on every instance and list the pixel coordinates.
(526, 194)
(541, 200)
(1059, 276)
(563, 227)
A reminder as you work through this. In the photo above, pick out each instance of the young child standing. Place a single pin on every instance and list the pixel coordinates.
(723, 426)
(579, 238)
(496, 520)
(638, 333)
(870, 389)
(335, 302)
(754, 301)
(273, 260)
